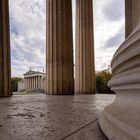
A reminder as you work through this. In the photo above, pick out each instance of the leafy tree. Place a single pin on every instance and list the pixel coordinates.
(14, 83)
(102, 79)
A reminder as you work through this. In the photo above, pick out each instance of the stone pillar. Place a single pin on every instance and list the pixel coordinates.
(128, 17)
(33, 83)
(120, 120)
(30, 82)
(27, 84)
(5, 64)
(39, 82)
(36, 83)
(84, 68)
(59, 67)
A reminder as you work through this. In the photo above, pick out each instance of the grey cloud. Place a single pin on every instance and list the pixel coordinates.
(115, 40)
(114, 10)
(27, 18)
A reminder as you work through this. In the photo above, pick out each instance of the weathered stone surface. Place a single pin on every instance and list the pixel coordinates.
(84, 48)
(5, 65)
(59, 50)
(41, 117)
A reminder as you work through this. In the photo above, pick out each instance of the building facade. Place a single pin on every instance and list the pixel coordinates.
(34, 81)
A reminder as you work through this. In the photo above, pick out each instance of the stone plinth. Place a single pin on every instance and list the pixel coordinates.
(84, 50)
(59, 52)
(5, 65)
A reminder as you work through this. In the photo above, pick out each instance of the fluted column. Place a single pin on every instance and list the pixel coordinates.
(30, 83)
(36, 83)
(84, 68)
(27, 84)
(120, 120)
(5, 66)
(59, 68)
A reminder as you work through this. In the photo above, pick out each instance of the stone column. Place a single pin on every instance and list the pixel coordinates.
(33, 83)
(36, 83)
(39, 82)
(30, 83)
(128, 18)
(5, 64)
(27, 84)
(120, 120)
(59, 67)
(84, 68)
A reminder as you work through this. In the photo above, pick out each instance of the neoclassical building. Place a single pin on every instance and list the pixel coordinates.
(120, 120)
(33, 81)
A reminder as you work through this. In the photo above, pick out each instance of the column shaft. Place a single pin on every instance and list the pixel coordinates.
(30, 83)
(84, 68)
(27, 84)
(5, 66)
(60, 78)
(36, 83)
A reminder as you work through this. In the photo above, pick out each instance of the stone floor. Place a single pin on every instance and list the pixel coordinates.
(41, 117)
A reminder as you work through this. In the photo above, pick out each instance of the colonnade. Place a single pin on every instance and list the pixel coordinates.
(60, 70)
(33, 83)
(59, 61)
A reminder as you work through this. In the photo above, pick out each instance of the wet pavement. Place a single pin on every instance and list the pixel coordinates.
(44, 117)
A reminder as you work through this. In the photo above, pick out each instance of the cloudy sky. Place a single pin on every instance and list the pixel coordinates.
(27, 26)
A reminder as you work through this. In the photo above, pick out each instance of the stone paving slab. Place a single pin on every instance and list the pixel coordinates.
(44, 117)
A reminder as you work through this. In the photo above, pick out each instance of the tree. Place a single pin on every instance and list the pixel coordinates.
(14, 83)
(102, 79)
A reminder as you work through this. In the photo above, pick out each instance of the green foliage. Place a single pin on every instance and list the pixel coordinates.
(14, 83)
(102, 79)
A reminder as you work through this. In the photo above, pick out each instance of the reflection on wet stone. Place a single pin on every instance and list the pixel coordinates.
(52, 117)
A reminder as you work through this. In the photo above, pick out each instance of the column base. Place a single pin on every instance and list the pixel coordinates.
(120, 120)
